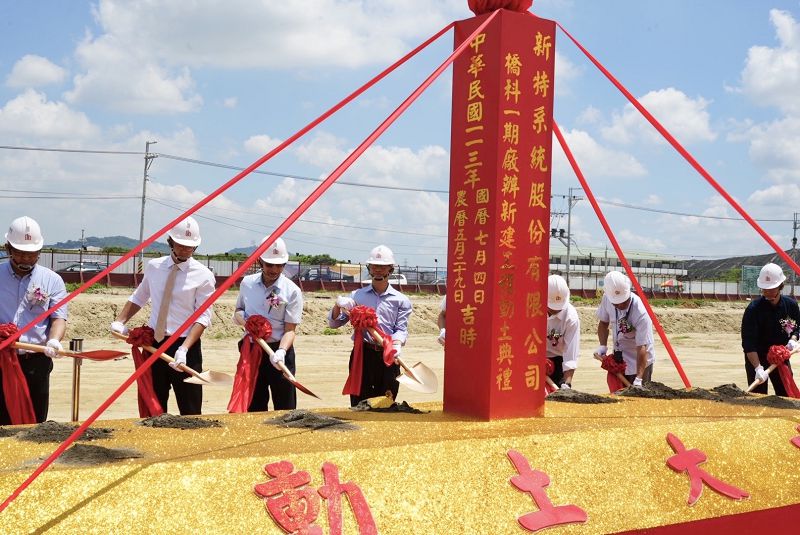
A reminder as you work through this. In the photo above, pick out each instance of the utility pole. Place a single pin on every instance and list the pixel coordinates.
(795, 227)
(571, 202)
(148, 160)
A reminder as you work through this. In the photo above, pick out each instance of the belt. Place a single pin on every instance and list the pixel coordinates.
(374, 346)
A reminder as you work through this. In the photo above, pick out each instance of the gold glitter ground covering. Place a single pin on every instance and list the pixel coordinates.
(420, 473)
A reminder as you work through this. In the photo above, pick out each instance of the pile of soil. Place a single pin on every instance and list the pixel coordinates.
(729, 393)
(309, 420)
(88, 455)
(364, 405)
(568, 395)
(179, 422)
(50, 431)
(4, 433)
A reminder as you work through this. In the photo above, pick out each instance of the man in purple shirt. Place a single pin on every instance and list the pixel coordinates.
(393, 310)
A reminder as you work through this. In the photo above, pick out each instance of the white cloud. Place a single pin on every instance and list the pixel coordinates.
(632, 241)
(594, 159)
(261, 144)
(685, 118)
(774, 146)
(652, 200)
(30, 116)
(230, 102)
(246, 34)
(120, 76)
(771, 76)
(782, 199)
(566, 74)
(590, 115)
(35, 71)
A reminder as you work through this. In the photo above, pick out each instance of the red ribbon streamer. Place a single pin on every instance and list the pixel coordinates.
(364, 318)
(779, 355)
(244, 384)
(15, 387)
(146, 396)
(613, 368)
(549, 369)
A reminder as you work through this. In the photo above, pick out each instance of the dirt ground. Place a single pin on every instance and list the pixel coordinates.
(705, 339)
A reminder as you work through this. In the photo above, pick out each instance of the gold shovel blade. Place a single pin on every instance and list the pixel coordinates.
(428, 383)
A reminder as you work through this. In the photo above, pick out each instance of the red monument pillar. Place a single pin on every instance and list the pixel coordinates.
(498, 245)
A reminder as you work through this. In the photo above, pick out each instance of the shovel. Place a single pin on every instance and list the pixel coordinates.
(286, 373)
(769, 371)
(418, 377)
(208, 377)
(98, 354)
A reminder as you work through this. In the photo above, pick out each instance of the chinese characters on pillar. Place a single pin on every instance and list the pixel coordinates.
(295, 506)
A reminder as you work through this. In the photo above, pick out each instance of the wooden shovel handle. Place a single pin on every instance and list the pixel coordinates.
(379, 339)
(620, 376)
(164, 357)
(268, 350)
(40, 349)
(769, 371)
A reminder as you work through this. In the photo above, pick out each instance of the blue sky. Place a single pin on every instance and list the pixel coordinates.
(224, 82)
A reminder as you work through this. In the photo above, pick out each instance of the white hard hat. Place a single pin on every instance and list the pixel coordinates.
(381, 256)
(187, 233)
(617, 287)
(557, 292)
(24, 234)
(275, 253)
(771, 276)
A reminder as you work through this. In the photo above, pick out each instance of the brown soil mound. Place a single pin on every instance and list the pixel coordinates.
(565, 395)
(309, 420)
(88, 455)
(179, 422)
(7, 432)
(56, 432)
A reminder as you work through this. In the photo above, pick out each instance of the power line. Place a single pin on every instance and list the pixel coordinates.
(668, 212)
(299, 177)
(80, 151)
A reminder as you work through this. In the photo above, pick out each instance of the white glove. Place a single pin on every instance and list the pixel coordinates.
(345, 302)
(441, 336)
(565, 386)
(52, 349)
(637, 383)
(397, 345)
(180, 358)
(119, 327)
(238, 318)
(761, 375)
(278, 357)
(601, 351)
(792, 345)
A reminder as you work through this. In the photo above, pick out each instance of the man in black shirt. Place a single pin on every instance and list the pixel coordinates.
(772, 319)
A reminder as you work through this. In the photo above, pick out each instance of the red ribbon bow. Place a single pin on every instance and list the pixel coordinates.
(779, 356)
(613, 368)
(148, 401)
(15, 387)
(364, 318)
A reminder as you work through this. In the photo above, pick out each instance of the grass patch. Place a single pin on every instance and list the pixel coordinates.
(330, 331)
(95, 289)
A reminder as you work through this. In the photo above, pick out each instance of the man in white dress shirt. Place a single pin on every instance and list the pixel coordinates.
(563, 332)
(192, 284)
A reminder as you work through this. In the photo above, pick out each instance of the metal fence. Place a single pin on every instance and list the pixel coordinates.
(421, 278)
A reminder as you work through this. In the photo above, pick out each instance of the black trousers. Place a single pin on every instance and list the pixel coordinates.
(271, 380)
(558, 370)
(189, 396)
(774, 377)
(37, 368)
(376, 378)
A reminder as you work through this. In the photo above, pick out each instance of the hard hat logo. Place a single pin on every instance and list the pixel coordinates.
(28, 237)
